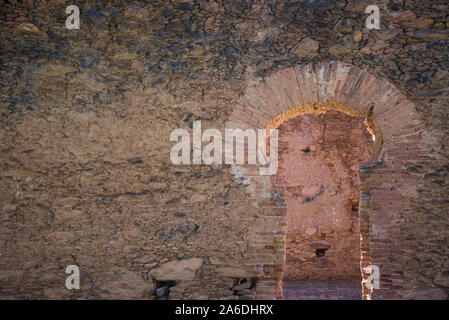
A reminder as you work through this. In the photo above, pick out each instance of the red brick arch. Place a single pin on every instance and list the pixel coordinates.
(387, 188)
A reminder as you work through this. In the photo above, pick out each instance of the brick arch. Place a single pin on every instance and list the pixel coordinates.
(387, 187)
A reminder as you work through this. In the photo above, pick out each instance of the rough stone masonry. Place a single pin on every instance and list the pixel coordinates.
(85, 120)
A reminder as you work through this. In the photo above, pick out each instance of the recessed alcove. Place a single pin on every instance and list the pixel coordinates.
(319, 157)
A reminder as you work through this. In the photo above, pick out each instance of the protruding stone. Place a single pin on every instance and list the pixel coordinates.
(323, 245)
(432, 34)
(306, 48)
(177, 270)
(26, 28)
(396, 17)
(358, 36)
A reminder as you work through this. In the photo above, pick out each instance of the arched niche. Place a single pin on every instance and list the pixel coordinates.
(387, 187)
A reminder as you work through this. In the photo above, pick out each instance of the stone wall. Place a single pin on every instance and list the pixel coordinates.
(86, 117)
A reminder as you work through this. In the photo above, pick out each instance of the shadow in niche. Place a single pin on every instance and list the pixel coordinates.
(319, 156)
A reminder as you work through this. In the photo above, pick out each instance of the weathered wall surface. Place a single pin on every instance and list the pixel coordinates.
(86, 117)
(319, 158)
